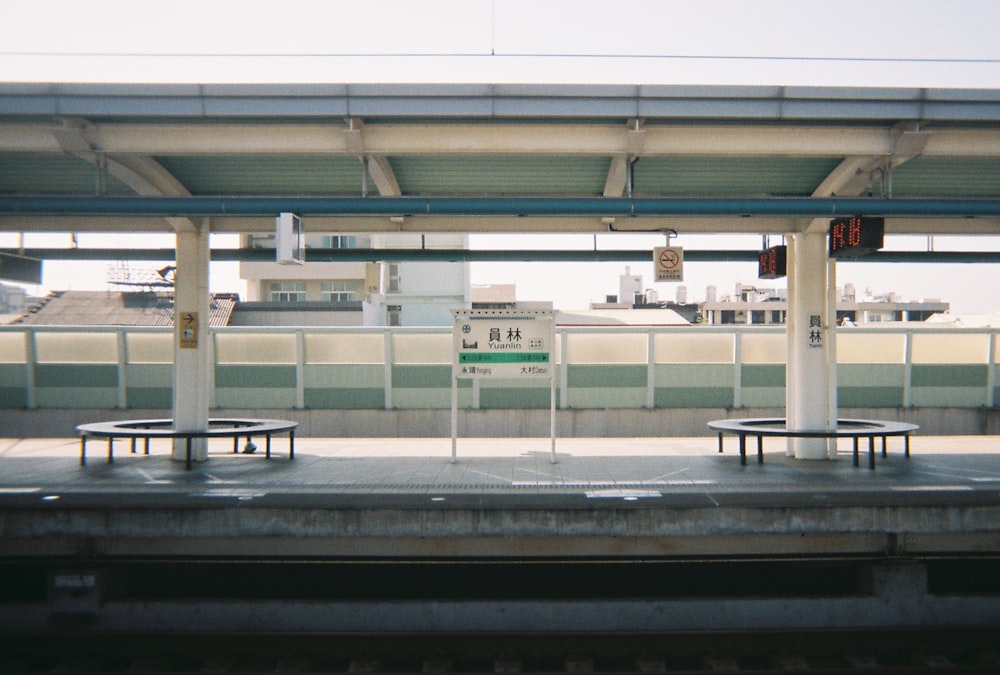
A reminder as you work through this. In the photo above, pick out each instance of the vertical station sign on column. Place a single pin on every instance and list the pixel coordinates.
(505, 344)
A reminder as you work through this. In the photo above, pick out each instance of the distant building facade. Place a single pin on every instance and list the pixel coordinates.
(13, 300)
(751, 305)
(403, 293)
(503, 296)
(631, 295)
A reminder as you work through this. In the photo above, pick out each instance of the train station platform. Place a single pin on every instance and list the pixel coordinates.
(388, 535)
(635, 472)
(689, 492)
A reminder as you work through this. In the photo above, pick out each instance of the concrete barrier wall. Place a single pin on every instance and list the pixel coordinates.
(640, 369)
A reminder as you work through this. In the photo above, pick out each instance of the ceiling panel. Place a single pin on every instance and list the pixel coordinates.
(501, 175)
(54, 174)
(947, 177)
(731, 175)
(268, 175)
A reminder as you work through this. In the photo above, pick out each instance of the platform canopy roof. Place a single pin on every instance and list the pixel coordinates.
(495, 141)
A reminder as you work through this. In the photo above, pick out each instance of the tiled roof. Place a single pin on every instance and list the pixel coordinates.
(110, 308)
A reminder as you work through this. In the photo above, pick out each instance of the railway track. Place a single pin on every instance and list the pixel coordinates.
(834, 652)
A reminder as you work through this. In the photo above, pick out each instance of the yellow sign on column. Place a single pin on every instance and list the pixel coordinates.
(187, 330)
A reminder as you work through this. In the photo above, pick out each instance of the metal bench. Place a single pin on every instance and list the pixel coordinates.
(164, 428)
(846, 428)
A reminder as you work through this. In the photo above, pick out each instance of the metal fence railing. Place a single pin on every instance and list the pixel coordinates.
(392, 368)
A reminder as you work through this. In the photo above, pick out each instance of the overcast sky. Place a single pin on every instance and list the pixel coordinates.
(849, 42)
(918, 43)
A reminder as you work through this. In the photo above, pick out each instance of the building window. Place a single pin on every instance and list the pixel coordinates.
(394, 315)
(339, 291)
(340, 241)
(261, 241)
(288, 291)
(394, 281)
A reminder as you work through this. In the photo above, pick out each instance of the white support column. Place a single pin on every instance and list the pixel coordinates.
(791, 346)
(192, 367)
(810, 327)
(830, 347)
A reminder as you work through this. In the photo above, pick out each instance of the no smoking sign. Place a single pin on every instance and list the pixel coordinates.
(668, 263)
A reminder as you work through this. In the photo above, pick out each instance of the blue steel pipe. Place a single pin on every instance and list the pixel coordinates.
(483, 255)
(492, 206)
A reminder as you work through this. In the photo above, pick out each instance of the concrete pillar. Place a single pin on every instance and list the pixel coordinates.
(192, 365)
(810, 334)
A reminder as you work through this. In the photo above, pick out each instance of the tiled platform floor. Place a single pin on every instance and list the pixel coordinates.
(620, 468)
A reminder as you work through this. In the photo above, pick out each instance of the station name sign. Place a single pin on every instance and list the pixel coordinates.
(503, 343)
(857, 235)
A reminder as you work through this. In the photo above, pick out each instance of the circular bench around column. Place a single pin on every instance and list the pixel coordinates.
(164, 428)
(846, 428)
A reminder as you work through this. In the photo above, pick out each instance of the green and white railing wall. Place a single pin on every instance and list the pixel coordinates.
(410, 368)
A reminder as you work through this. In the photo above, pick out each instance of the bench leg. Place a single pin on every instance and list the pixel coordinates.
(236, 444)
(291, 444)
(134, 439)
(743, 450)
(111, 449)
(267, 446)
(720, 441)
(906, 446)
(83, 450)
(856, 459)
(760, 449)
(146, 448)
(884, 454)
(871, 453)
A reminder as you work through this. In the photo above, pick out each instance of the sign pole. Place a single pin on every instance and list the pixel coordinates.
(552, 413)
(454, 419)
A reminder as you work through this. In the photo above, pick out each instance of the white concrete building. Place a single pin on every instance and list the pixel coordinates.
(757, 305)
(398, 293)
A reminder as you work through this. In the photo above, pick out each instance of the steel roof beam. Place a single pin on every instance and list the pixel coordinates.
(498, 101)
(465, 255)
(555, 138)
(756, 225)
(203, 206)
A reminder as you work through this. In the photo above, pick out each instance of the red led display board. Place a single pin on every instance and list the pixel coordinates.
(857, 235)
(772, 263)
